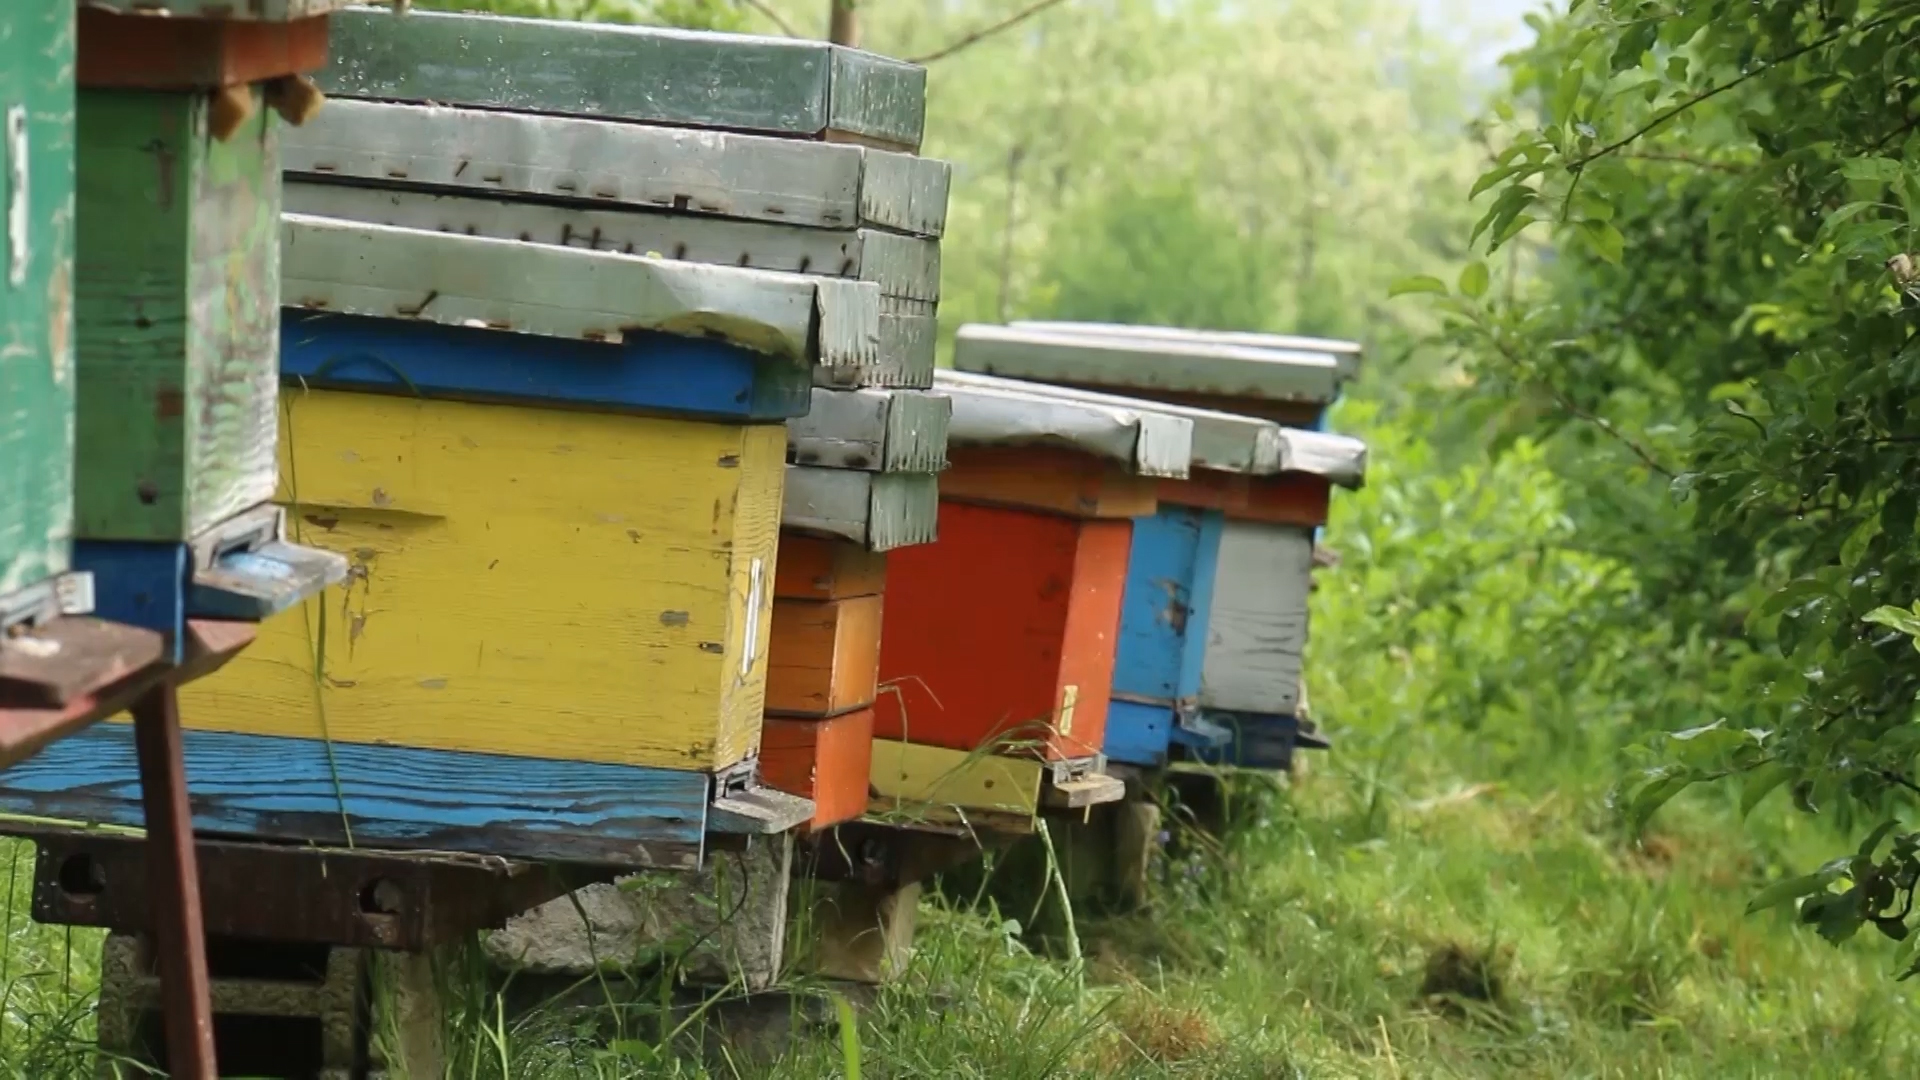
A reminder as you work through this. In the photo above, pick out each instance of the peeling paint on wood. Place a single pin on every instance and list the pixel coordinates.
(512, 573)
(874, 430)
(881, 511)
(36, 290)
(379, 270)
(909, 339)
(902, 266)
(577, 160)
(778, 86)
(304, 791)
(177, 286)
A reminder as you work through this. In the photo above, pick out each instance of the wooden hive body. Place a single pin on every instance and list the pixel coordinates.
(1031, 597)
(1163, 630)
(526, 581)
(36, 292)
(178, 312)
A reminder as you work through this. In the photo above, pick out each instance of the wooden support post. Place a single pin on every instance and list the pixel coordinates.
(860, 932)
(177, 928)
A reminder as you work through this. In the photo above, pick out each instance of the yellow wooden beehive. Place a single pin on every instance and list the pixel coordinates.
(525, 581)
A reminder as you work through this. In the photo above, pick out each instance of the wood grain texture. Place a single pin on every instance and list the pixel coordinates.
(902, 266)
(1002, 632)
(877, 430)
(777, 86)
(824, 656)
(580, 160)
(820, 568)
(456, 280)
(1048, 480)
(258, 787)
(827, 761)
(1169, 598)
(881, 511)
(914, 782)
(549, 584)
(36, 292)
(648, 372)
(179, 54)
(1258, 630)
(178, 315)
(909, 341)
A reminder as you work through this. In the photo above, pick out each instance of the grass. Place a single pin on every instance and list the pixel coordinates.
(1451, 929)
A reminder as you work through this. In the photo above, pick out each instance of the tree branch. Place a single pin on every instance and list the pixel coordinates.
(772, 16)
(1685, 159)
(984, 33)
(1712, 92)
(1606, 425)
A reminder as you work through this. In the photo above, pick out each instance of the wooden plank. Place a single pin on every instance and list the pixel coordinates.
(303, 791)
(1169, 598)
(36, 292)
(1032, 598)
(194, 54)
(1221, 441)
(49, 666)
(877, 430)
(527, 582)
(913, 782)
(758, 811)
(647, 372)
(1132, 364)
(823, 568)
(824, 656)
(364, 269)
(1046, 479)
(776, 86)
(881, 511)
(858, 932)
(1005, 412)
(909, 341)
(178, 315)
(1252, 741)
(1258, 630)
(827, 761)
(1344, 353)
(1289, 499)
(1291, 414)
(1139, 733)
(901, 266)
(581, 160)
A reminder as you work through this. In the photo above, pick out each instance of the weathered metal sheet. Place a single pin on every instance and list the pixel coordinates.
(366, 269)
(36, 292)
(249, 10)
(1133, 363)
(738, 82)
(872, 430)
(1342, 459)
(178, 315)
(1222, 442)
(880, 511)
(899, 265)
(1347, 354)
(909, 339)
(1136, 436)
(706, 173)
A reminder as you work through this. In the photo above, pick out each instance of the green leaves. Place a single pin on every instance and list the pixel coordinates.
(1421, 283)
(1905, 620)
(1473, 280)
(1604, 240)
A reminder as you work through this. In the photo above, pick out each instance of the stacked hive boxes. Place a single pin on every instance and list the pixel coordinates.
(537, 374)
(1247, 699)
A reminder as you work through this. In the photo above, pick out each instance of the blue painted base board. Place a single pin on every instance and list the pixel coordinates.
(272, 788)
(139, 584)
(1259, 741)
(1137, 733)
(650, 372)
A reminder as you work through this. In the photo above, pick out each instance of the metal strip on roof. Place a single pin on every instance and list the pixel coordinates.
(1122, 363)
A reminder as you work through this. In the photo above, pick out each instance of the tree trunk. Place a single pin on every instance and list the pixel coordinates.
(844, 25)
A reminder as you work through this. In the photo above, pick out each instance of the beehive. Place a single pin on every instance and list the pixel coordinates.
(1026, 578)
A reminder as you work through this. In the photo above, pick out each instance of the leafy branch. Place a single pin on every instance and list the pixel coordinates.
(986, 32)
